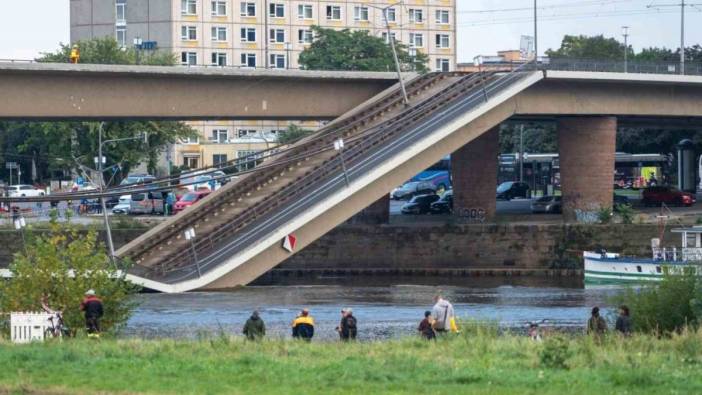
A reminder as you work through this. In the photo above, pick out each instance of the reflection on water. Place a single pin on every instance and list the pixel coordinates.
(382, 311)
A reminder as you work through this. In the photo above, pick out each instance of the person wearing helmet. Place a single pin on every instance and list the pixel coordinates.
(92, 306)
(75, 54)
(303, 326)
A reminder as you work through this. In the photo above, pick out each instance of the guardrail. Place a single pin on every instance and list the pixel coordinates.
(607, 66)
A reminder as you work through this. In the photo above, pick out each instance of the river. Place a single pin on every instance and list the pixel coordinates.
(382, 311)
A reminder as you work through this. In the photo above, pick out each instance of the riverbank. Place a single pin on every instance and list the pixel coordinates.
(478, 361)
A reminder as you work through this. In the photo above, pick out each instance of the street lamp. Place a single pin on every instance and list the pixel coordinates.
(190, 236)
(339, 146)
(413, 55)
(391, 38)
(625, 33)
(137, 47)
(20, 224)
(288, 47)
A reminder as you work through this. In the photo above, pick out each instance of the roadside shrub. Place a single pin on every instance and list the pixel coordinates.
(61, 265)
(670, 305)
(604, 215)
(555, 353)
(626, 213)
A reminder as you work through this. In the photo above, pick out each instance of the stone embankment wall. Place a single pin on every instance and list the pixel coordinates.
(447, 247)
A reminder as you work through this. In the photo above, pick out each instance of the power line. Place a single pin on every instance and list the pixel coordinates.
(575, 4)
(572, 16)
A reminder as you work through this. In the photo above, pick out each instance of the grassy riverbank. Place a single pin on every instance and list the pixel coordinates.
(482, 363)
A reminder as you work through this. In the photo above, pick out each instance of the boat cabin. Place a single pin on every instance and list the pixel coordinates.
(690, 246)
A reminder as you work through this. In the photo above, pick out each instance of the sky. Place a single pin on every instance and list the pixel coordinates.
(484, 26)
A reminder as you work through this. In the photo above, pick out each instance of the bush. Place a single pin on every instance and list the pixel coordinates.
(555, 353)
(667, 306)
(61, 265)
(626, 213)
(604, 215)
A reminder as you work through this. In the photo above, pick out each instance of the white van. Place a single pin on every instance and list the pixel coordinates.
(146, 203)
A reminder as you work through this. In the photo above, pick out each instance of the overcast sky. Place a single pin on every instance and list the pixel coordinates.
(484, 26)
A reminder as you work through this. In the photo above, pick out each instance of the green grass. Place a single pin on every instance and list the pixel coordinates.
(481, 363)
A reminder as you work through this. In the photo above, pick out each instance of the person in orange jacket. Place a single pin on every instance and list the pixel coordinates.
(92, 306)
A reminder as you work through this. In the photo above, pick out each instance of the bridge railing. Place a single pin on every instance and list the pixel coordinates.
(612, 66)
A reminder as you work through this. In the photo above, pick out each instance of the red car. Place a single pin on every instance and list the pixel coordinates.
(189, 199)
(655, 196)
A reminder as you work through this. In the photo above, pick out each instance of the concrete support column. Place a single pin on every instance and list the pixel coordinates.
(586, 147)
(474, 171)
(375, 214)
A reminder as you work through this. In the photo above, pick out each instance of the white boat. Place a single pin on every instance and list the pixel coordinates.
(611, 267)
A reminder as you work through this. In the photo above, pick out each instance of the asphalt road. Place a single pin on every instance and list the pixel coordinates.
(517, 206)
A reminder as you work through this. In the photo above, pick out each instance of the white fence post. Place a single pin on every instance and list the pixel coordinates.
(26, 327)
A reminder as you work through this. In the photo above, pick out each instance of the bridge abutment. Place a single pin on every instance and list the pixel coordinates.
(586, 148)
(474, 174)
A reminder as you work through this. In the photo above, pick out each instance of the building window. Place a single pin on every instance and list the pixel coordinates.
(190, 140)
(219, 8)
(442, 17)
(188, 7)
(191, 162)
(442, 65)
(385, 36)
(276, 36)
(121, 36)
(248, 9)
(188, 33)
(248, 158)
(188, 58)
(219, 159)
(246, 133)
(391, 15)
(219, 136)
(121, 12)
(219, 59)
(443, 41)
(219, 33)
(248, 34)
(248, 60)
(277, 61)
(304, 11)
(416, 40)
(334, 12)
(304, 36)
(416, 15)
(360, 13)
(276, 10)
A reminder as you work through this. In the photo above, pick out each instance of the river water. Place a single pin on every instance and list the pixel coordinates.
(383, 311)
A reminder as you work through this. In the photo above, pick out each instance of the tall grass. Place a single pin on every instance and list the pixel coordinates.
(476, 361)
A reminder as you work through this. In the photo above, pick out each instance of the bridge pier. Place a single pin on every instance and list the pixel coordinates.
(586, 148)
(474, 175)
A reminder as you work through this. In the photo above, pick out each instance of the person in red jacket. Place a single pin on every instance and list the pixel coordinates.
(92, 306)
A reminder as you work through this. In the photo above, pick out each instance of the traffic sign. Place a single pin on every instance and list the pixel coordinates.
(289, 242)
(10, 165)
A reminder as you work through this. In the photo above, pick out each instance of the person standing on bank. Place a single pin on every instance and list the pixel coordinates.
(623, 324)
(442, 313)
(596, 325)
(92, 306)
(347, 327)
(425, 328)
(303, 326)
(255, 328)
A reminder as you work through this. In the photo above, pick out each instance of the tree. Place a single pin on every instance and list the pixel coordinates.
(293, 134)
(356, 51)
(61, 265)
(584, 47)
(540, 138)
(64, 147)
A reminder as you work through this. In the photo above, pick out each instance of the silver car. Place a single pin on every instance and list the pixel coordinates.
(547, 204)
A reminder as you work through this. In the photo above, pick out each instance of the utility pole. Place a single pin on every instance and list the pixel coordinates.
(391, 39)
(625, 30)
(265, 34)
(536, 33)
(682, 6)
(521, 153)
(108, 231)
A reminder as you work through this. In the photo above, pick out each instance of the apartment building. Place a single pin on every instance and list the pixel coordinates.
(257, 34)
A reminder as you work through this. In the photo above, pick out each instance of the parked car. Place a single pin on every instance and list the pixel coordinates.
(443, 205)
(419, 204)
(189, 199)
(146, 203)
(547, 204)
(23, 190)
(123, 205)
(657, 195)
(440, 180)
(512, 189)
(619, 200)
(136, 179)
(411, 189)
(197, 180)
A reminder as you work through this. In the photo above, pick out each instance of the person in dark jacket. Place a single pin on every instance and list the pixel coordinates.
(92, 306)
(303, 326)
(623, 324)
(596, 325)
(255, 328)
(347, 327)
(425, 328)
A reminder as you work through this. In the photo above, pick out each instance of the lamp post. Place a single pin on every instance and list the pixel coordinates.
(339, 146)
(536, 33)
(384, 10)
(137, 47)
(20, 224)
(190, 236)
(288, 47)
(625, 33)
(413, 55)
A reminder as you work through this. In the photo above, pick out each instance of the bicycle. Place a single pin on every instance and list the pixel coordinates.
(58, 328)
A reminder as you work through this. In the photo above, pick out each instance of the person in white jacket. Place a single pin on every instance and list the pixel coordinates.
(442, 312)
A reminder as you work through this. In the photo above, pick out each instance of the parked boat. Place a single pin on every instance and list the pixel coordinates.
(611, 267)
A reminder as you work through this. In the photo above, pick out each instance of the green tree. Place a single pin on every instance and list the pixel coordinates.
(540, 138)
(292, 134)
(61, 265)
(595, 47)
(64, 147)
(356, 51)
